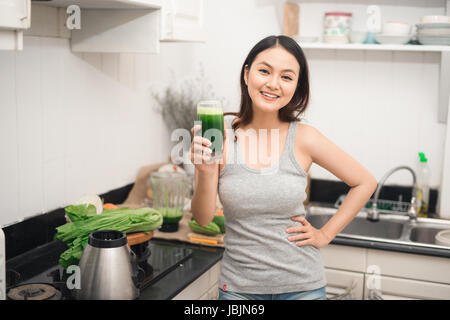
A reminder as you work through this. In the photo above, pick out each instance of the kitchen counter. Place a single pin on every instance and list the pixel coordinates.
(36, 265)
(381, 245)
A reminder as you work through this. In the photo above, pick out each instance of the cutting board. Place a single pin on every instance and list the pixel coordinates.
(138, 237)
(200, 238)
(291, 17)
(185, 234)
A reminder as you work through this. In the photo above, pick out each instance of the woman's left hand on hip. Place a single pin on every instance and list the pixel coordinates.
(307, 234)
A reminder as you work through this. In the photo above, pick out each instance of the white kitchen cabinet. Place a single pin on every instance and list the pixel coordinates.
(204, 287)
(401, 275)
(344, 282)
(406, 289)
(344, 258)
(132, 26)
(15, 16)
(112, 26)
(183, 20)
(410, 266)
(117, 31)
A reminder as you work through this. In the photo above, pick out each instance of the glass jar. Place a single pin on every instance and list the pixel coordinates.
(170, 190)
(336, 28)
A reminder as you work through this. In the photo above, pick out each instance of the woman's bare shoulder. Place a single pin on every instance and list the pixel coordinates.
(306, 135)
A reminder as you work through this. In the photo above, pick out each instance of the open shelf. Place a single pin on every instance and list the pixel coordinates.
(389, 47)
(104, 4)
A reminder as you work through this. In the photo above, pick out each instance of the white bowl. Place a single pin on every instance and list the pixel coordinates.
(396, 28)
(358, 36)
(389, 39)
(434, 19)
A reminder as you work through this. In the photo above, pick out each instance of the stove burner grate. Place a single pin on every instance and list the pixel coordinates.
(34, 291)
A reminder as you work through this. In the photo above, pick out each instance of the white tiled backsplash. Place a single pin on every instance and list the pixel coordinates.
(83, 123)
(68, 128)
(379, 106)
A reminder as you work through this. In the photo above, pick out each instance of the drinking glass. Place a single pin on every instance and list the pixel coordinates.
(210, 114)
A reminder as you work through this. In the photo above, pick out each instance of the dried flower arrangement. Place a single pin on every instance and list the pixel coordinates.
(178, 104)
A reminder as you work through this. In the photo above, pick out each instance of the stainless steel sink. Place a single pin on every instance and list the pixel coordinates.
(424, 234)
(390, 228)
(363, 227)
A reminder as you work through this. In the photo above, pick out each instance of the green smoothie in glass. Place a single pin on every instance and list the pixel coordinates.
(210, 114)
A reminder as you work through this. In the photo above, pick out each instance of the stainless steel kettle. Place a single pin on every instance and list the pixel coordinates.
(108, 268)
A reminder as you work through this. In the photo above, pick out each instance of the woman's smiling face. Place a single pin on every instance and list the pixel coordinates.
(272, 79)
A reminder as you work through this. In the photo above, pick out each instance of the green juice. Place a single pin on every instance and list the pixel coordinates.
(212, 118)
(171, 215)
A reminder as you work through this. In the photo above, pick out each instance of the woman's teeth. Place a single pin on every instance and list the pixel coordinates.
(268, 95)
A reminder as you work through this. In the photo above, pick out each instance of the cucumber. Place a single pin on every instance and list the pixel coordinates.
(211, 229)
(220, 221)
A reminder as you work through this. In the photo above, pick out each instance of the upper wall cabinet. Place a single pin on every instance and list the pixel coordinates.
(132, 26)
(183, 20)
(15, 16)
(113, 26)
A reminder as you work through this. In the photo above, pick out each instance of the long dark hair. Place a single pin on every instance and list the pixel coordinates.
(298, 103)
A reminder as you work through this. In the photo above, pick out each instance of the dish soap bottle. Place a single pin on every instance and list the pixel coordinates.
(423, 182)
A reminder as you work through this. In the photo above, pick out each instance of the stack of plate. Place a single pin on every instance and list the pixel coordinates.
(434, 31)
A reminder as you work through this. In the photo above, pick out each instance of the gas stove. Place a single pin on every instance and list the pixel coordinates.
(155, 259)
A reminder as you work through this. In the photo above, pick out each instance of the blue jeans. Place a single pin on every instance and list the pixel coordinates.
(316, 294)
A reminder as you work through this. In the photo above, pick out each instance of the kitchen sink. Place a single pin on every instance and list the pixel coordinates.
(393, 228)
(363, 227)
(424, 234)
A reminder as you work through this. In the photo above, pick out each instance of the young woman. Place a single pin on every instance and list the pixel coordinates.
(271, 250)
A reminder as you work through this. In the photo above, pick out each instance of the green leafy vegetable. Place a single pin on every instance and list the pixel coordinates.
(76, 234)
(220, 221)
(210, 230)
(80, 212)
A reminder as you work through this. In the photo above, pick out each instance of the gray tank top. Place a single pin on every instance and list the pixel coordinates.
(258, 205)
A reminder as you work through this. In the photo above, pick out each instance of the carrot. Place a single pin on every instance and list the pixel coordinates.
(219, 213)
(110, 206)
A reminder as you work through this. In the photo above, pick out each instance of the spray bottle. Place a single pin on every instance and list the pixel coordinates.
(423, 184)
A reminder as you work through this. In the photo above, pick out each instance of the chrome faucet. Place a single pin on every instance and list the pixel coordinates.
(374, 215)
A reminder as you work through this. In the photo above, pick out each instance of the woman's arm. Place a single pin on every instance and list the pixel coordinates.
(203, 203)
(362, 183)
(206, 177)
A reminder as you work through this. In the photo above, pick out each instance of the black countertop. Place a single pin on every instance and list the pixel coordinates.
(43, 258)
(381, 245)
(203, 258)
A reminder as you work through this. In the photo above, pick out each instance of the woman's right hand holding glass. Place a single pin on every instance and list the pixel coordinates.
(201, 152)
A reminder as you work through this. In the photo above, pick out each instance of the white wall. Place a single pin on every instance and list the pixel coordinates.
(72, 124)
(68, 128)
(380, 106)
